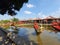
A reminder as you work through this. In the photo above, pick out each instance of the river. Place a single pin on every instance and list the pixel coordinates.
(44, 38)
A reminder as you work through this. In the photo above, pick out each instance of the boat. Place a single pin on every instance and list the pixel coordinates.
(13, 29)
(56, 26)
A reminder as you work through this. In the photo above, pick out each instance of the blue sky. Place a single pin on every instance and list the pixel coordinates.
(37, 9)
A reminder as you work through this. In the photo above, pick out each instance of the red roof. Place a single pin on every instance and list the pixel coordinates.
(49, 17)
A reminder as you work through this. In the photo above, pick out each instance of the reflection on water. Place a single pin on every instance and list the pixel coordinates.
(45, 38)
(39, 40)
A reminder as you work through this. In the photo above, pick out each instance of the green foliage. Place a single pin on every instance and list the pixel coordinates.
(15, 19)
(4, 21)
(10, 6)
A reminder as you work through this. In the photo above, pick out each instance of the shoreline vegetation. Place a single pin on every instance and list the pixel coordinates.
(45, 26)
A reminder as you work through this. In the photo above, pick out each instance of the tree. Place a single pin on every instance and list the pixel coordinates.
(15, 19)
(11, 6)
(4, 21)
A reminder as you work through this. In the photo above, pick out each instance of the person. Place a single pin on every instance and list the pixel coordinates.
(13, 26)
(36, 27)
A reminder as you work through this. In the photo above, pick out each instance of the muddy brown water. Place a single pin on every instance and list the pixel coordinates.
(47, 37)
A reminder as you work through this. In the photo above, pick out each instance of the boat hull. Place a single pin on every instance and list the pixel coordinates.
(56, 28)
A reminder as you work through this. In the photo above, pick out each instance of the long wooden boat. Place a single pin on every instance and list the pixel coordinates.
(56, 26)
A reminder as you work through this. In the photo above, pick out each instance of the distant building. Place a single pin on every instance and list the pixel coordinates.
(46, 20)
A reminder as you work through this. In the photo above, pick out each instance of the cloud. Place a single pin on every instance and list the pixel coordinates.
(41, 15)
(30, 5)
(5, 17)
(56, 13)
(27, 12)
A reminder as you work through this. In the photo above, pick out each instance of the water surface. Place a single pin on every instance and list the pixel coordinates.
(45, 38)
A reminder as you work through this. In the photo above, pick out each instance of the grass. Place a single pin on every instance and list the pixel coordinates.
(46, 27)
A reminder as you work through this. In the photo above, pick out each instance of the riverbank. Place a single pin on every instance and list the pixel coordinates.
(45, 26)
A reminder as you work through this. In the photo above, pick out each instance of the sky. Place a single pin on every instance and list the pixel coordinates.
(37, 9)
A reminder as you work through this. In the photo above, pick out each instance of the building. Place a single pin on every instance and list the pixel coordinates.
(46, 20)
